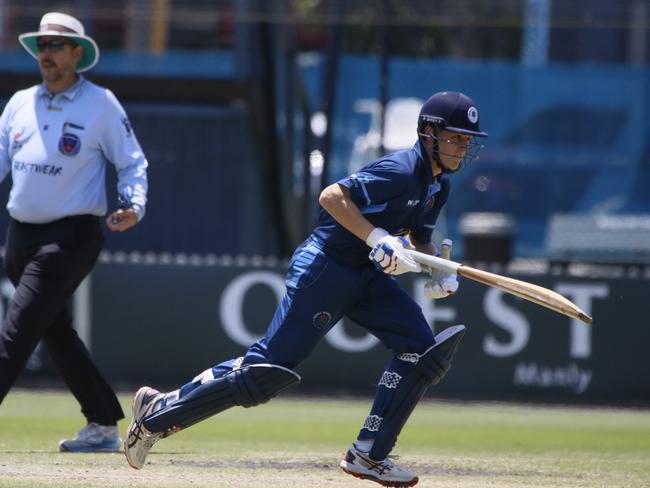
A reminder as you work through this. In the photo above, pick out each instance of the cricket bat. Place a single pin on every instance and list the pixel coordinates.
(534, 293)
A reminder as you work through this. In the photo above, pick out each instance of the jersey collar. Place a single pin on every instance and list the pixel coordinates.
(70, 93)
(424, 161)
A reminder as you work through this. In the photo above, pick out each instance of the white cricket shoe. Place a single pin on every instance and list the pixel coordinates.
(386, 472)
(93, 438)
(139, 440)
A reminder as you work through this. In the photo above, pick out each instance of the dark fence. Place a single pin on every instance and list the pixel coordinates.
(162, 324)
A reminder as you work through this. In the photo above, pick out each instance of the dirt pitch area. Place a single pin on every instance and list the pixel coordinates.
(167, 469)
(297, 442)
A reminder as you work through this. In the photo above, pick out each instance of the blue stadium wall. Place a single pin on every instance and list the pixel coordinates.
(570, 139)
(563, 138)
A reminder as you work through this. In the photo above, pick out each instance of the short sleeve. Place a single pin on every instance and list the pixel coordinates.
(377, 183)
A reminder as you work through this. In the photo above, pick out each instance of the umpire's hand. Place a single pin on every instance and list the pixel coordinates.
(121, 220)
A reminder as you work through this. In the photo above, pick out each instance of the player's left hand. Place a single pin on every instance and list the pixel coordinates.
(121, 220)
(441, 284)
(389, 255)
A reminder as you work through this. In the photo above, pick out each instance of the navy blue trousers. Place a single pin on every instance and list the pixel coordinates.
(321, 290)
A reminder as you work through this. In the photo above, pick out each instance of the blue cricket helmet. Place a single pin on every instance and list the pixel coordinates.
(452, 111)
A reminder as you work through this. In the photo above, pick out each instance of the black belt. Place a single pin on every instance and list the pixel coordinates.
(63, 221)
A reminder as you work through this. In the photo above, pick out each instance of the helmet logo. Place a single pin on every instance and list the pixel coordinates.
(472, 115)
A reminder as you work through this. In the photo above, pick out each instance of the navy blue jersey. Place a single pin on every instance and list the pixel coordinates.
(397, 192)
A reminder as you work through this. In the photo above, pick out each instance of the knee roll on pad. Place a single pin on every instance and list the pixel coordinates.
(248, 386)
(436, 361)
(429, 368)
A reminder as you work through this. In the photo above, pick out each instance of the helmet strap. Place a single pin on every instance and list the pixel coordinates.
(435, 149)
(434, 156)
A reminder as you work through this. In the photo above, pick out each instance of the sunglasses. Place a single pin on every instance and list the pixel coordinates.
(54, 45)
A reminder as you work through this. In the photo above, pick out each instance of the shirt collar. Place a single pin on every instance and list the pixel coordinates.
(423, 161)
(70, 93)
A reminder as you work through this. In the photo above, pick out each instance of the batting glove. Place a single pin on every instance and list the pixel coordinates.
(388, 253)
(441, 284)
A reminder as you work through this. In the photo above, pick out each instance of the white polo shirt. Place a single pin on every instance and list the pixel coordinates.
(57, 146)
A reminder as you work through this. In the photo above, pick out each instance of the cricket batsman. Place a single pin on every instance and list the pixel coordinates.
(346, 268)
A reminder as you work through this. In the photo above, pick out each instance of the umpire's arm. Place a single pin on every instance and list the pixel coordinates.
(121, 147)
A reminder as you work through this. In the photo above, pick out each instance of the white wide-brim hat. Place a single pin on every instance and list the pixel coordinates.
(63, 25)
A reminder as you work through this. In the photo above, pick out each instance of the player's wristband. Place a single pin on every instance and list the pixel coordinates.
(139, 211)
(376, 235)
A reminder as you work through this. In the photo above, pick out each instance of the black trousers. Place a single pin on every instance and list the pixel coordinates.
(46, 263)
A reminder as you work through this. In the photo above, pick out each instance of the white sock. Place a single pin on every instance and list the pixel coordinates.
(364, 445)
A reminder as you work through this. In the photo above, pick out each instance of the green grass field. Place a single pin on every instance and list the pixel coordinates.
(294, 442)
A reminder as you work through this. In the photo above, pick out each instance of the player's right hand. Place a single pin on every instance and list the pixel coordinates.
(389, 256)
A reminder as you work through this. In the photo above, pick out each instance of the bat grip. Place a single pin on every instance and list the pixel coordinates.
(445, 265)
(445, 249)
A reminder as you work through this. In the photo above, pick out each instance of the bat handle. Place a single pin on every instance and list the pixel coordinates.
(445, 249)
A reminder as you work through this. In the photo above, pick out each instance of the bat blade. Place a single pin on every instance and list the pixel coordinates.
(528, 291)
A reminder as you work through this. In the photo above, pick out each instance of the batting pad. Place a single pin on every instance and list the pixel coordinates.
(248, 386)
(413, 374)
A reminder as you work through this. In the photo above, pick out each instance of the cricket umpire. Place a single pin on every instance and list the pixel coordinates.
(56, 138)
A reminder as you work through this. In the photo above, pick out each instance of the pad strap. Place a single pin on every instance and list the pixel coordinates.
(396, 400)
